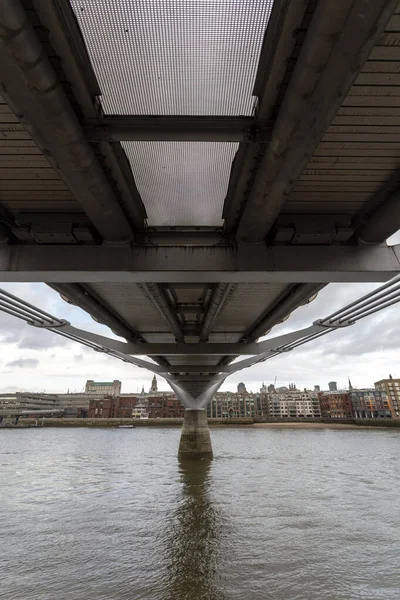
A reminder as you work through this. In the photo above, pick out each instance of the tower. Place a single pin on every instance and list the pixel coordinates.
(154, 387)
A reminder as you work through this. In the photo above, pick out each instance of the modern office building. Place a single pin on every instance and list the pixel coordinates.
(27, 401)
(332, 386)
(370, 403)
(76, 401)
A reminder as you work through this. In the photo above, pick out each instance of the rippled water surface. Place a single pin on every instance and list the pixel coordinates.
(279, 514)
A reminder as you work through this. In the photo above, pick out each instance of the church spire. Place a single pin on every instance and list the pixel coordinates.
(154, 386)
(350, 386)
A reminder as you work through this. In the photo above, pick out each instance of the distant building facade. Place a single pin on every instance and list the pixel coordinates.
(229, 405)
(391, 387)
(28, 401)
(241, 388)
(103, 388)
(77, 401)
(102, 409)
(370, 403)
(336, 405)
(294, 404)
(164, 405)
(289, 404)
(332, 386)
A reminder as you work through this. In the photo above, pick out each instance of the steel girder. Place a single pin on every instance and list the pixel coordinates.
(201, 264)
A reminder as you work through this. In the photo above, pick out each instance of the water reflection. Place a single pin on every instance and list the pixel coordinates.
(195, 536)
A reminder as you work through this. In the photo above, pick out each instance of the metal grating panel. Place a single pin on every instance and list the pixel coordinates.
(246, 305)
(173, 57)
(181, 183)
(129, 303)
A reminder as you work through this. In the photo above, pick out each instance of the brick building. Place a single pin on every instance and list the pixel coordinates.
(161, 406)
(124, 405)
(336, 405)
(102, 409)
(391, 387)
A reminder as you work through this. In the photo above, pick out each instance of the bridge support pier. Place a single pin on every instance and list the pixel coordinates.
(195, 437)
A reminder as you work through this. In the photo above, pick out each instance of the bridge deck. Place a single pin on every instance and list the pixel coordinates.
(286, 134)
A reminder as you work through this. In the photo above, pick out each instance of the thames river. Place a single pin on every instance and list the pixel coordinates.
(279, 514)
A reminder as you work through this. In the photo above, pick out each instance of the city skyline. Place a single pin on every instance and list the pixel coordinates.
(37, 360)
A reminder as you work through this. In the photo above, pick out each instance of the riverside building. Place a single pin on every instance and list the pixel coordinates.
(391, 387)
(229, 405)
(295, 404)
(27, 401)
(336, 405)
(370, 403)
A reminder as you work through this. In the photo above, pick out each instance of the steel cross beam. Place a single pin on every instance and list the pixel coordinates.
(118, 128)
(201, 264)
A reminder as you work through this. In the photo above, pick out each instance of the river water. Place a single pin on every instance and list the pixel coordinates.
(279, 514)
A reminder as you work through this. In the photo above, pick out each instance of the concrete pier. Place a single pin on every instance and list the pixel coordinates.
(195, 437)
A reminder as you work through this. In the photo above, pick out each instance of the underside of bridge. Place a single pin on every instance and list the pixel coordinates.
(192, 172)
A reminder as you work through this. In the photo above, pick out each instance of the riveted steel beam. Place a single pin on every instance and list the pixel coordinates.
(241, 264)
(151, 128)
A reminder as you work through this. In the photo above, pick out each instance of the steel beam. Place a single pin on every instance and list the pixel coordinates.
(241, 264)
(385, 219)
(217, 301)
(156, 296)
(340, 38)
(298, 294)
(79, 296)
(165, 349)
(151, 128)
(35, 94)
(279, 42)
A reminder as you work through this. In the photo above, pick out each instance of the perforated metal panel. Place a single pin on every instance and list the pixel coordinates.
(246, 305)
(194, 57)
(129, 303)
(181, 183)
(176, 57)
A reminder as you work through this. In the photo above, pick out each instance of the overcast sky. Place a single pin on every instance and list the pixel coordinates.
(37, 360)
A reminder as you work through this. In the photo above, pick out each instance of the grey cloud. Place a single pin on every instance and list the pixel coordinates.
(28, 363)
(15, 331)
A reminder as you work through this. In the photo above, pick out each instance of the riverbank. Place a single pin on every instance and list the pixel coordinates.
(214, 423)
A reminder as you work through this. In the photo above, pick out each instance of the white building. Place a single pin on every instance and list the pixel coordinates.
(103, 388)
(140, 411)
(295, 404)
